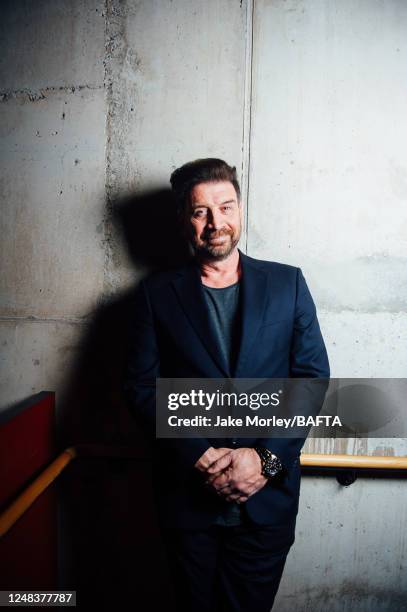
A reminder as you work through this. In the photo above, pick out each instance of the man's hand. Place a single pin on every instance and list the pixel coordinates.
(210, 457)
(237, 474)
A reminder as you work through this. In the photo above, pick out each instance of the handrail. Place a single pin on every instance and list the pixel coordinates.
(354, 461)
(21, 504)
(34, 490)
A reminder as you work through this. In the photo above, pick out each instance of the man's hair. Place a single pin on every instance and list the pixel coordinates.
(207, 170)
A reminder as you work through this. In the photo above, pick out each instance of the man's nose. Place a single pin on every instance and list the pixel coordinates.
(215, 220)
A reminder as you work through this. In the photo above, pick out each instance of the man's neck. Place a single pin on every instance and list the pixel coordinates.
(221, 273)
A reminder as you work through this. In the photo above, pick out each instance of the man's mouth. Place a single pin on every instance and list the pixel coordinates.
(217, 239)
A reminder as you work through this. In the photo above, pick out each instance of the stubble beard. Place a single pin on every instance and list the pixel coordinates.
(205, 251)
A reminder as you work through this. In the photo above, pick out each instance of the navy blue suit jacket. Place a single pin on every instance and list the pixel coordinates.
(170, 336)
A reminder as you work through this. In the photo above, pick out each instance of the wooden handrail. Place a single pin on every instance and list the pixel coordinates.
(21, 504)
(34, 490)
(354, 461)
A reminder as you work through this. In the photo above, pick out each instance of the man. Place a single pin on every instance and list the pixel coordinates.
(227, 508)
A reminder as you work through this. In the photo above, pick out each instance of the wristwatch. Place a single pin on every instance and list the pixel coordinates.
(270, 463)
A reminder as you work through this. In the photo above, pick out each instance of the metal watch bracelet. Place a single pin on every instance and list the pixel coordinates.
(271, 464)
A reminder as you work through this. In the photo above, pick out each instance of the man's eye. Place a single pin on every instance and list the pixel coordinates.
(199, 213)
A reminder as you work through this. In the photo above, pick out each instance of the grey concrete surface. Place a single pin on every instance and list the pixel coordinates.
(52, 190)
(36, 355)
(345, 558)
(51, 44)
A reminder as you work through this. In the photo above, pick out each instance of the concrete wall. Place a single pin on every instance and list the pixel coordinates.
(307, 99)
(53, 116)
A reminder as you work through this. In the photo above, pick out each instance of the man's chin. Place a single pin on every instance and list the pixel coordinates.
(214, 253)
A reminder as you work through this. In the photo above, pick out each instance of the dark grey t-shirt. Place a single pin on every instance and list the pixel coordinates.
(223, 305)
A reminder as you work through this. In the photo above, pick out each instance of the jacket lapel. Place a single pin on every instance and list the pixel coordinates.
(254, 289)
(188, 288)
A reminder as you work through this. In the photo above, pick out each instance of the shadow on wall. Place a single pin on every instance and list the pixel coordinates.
(93, 409)
(110, 535)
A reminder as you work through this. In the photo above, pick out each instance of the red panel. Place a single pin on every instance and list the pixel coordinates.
(28, 552)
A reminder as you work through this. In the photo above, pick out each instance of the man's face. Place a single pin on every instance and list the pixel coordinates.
(214, 220)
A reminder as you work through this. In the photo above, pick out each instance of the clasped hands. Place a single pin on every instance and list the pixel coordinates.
(234, 473)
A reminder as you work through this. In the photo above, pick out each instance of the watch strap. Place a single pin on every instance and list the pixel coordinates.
(270, 463)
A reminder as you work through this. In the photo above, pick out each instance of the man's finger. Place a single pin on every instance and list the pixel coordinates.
(209, 457)
(222, 477)
(241, 500)
(233, 497)
(217, 454)
(220, 464)
(224, 492)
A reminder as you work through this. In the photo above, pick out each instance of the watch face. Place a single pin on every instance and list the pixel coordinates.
(271, 464)
(272, 467)
(270, 471)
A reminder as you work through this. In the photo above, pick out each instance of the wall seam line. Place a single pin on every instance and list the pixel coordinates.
(39, 94)
(32, 319)
(247, 115)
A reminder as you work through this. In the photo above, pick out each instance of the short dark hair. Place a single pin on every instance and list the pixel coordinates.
(206, 170)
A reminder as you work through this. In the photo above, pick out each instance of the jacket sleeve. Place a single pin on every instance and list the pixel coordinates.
(142, 369)
(308, 359)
